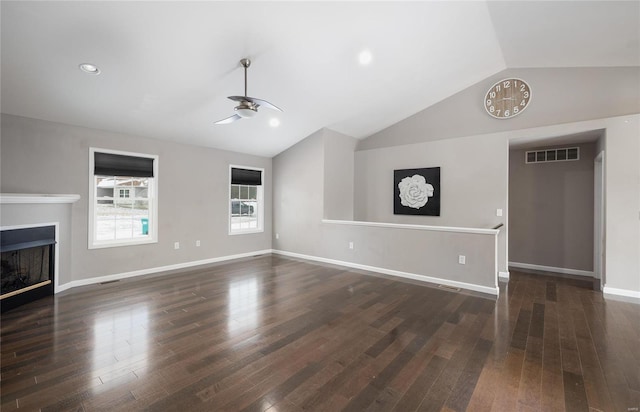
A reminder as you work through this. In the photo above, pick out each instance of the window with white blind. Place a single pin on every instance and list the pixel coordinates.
(122, 198)
(246, 204)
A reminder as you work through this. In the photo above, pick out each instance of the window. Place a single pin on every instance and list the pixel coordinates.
(123, 198)
(246, 206)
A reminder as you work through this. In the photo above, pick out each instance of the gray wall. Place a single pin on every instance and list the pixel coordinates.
(622, 198)
(301, 170)
(560, 95)
(338, 175)
(298, 172)
(45, 157)
(298, 195)
(551, 210)
(473, 180)
(565, 101)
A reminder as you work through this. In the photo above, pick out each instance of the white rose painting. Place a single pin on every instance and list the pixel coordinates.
(417, 191)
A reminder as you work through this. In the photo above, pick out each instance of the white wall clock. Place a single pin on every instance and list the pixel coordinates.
(507, 98)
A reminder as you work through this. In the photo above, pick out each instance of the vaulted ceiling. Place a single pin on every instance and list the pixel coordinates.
(168, 67)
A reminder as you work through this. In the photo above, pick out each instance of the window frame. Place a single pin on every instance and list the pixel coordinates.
(152, 236)
(259, 201)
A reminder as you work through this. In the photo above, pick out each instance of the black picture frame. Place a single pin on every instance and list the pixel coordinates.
(416, 190)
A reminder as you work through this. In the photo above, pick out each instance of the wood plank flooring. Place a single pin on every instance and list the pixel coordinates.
(276, 334)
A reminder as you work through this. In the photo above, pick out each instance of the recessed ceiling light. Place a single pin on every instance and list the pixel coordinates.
(274, 122)
(365, 57)
(89, 68)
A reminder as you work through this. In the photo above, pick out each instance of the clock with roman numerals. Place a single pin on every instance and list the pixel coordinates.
(507, 98)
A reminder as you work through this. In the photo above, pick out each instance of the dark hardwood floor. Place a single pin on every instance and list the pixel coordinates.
(276, 334)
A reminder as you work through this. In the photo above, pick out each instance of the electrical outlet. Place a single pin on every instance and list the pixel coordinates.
(498, 212)
(462, 259)
(176, 245)
(277, 236)
(197, 243)
(350, 245)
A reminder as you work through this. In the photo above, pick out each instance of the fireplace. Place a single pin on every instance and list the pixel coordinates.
(27, 265)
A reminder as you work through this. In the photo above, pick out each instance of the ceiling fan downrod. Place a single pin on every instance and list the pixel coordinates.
(245, 63)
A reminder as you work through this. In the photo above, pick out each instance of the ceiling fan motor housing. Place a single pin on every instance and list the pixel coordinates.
(246, 109)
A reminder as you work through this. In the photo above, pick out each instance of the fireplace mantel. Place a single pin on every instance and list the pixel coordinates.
(7, 198)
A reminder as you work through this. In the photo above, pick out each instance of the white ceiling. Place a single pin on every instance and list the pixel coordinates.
(167, 67)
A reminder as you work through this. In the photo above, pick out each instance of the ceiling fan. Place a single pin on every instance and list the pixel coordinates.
(248, 106)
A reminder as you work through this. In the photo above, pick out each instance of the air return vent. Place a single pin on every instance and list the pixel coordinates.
(552, 155)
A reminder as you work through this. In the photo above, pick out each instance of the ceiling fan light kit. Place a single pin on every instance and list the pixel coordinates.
(248, 106)
(246, 110)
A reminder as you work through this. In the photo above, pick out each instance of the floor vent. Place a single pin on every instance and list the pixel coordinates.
(552, 155)
(451, 288)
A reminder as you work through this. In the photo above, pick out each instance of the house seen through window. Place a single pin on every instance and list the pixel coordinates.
(246, 203)
(123, 199)
(124, 193)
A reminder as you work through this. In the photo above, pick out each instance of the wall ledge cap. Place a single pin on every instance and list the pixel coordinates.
(415, 227)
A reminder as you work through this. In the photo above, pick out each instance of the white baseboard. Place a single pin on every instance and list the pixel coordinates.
(148, 271)
(141, 272)
(634, 294)
(423, 278)
(564, 271)
(504, 276)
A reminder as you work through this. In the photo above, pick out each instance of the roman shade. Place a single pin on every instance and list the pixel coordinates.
(109, 164)
(246, 177)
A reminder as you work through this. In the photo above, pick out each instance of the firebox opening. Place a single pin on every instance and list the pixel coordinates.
(24, 268)
(26, 265)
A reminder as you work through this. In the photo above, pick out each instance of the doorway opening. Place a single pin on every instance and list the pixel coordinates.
(556, 206)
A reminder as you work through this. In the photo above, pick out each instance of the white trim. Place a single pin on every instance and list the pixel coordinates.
(141, 272)
(153, 201)
(427, 279)
(56, 248)
(260, 201)
(246, 232)
(495, 261)
(122, 242)
(415, 227)
(621, 292)
(503, 276)
(564, 271)
(599, 217)
(6, 198)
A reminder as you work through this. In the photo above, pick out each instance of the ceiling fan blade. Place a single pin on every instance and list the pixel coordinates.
(264, 103)
(229, 119)
(237, 98)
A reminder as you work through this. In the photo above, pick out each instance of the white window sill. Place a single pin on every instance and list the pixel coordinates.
(120, 243)
(246, 232)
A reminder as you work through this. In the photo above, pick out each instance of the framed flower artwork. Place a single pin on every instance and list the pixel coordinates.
(417, 191)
